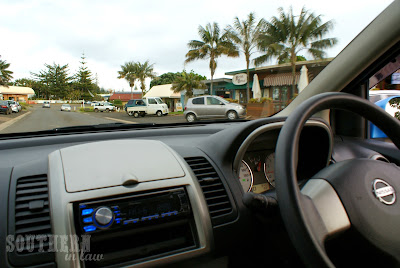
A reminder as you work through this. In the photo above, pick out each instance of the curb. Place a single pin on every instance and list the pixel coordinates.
(12, 121)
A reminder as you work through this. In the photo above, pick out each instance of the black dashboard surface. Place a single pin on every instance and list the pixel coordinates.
(218, 143)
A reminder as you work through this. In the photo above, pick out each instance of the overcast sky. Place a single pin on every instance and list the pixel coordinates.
(111, 33)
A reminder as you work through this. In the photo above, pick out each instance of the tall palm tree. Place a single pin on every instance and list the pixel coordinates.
(212, 45)
(128, 72)
(143, 71)
(246, 34)
(187, 81)
(287, 35)
(5, 75)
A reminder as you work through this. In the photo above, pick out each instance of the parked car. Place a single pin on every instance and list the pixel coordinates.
(5, 107)
(136, 107)
(66, 107)
(152, 105)
(104, 107)
(15, 106)
(156, 106)
(46, 104)
(383, 99)
(377, 95)
(212, 107)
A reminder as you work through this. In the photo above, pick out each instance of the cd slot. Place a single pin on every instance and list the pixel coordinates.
(143, 243)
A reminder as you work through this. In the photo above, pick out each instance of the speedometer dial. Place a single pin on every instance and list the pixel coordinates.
(245, 176)
(269, 169)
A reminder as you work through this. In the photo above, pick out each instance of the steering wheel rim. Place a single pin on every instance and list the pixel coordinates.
(293, 206)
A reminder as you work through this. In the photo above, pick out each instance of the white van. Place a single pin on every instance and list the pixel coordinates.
(156, 106)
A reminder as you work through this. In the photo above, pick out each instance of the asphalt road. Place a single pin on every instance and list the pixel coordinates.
(38, 118)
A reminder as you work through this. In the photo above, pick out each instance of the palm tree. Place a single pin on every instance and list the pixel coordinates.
(287, 35)
(144, 71)
(128, 71)
(211, 46)
(5, 75)
(187, 81)
(246, 34)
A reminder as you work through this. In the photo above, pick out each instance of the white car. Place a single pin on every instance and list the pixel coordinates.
(104, 107)
(15, 106)
(46, 104)
(66, 107)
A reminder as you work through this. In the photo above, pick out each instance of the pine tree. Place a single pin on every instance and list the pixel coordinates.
(84, 81)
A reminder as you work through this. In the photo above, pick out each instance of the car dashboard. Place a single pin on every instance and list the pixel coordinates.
(160, 196)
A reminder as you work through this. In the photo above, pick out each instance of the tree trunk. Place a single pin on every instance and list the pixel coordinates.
(211, 86)
(248, 78)
(293, 63)
(131, 92)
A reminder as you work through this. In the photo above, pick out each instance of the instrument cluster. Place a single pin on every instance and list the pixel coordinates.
(257, 171)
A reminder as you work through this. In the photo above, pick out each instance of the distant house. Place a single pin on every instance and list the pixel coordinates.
(16, 93)
(166, 93)
(125, 96)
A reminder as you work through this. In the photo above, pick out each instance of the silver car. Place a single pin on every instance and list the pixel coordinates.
(212, 107)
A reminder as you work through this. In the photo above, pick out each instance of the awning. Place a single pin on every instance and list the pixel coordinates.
(16, 90)
(231, 86)
(283, 79)
(162, 91)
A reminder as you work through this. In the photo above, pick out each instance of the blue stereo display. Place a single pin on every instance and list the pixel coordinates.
(135, 211)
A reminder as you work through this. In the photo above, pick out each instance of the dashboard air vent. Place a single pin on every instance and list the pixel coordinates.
(214, 191)
(32, 211)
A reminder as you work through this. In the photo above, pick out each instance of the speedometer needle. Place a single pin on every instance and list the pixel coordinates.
(259, 166)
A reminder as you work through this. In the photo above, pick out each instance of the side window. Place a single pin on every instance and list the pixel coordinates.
(198, 101)
(213, 101)
(130, 102)
(385, 92)
(152, 101)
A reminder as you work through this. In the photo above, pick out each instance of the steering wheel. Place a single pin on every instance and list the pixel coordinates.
(356, 193)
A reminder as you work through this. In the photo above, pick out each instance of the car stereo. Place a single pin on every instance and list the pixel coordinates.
(133, 211)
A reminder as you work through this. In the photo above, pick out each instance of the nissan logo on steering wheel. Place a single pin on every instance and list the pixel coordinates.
(384, 191)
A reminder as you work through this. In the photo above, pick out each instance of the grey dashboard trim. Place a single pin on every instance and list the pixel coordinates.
(113, 163)
(272, 126)
(62, 213)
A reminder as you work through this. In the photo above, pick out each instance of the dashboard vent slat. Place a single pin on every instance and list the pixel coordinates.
(32, 213)
(213, 189)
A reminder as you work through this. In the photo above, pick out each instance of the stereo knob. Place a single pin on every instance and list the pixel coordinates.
(103, 216)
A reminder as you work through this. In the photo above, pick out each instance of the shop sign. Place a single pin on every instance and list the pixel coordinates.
(239, 79)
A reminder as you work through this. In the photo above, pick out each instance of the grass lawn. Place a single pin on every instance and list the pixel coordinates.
(176, 112)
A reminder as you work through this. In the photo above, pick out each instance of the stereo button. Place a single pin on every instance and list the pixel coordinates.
(103, 216)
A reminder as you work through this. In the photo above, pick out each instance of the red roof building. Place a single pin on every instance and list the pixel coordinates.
(125, 96)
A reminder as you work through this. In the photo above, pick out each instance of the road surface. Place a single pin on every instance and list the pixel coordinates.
(38, 118)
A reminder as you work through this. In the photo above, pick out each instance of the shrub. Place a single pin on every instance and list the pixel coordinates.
(24, 105)
(395, 102)
(86, 109)
(232, 100)
(263, 100)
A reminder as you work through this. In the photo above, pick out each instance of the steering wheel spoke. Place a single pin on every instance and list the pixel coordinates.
(327, 209)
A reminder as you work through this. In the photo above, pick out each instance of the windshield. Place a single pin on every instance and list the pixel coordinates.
(159, 101)
(68, 53)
